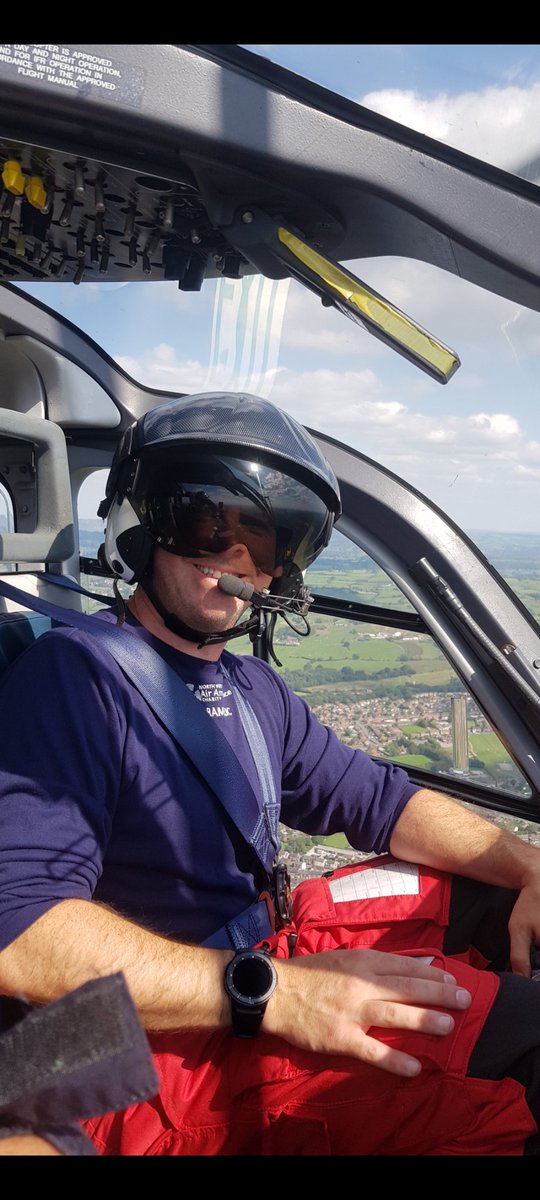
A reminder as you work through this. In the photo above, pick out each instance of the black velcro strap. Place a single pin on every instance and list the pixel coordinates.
(77, 1057)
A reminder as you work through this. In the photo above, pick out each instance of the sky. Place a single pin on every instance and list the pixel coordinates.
(472, 446)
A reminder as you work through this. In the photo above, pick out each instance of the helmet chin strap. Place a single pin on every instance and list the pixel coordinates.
(177, 626)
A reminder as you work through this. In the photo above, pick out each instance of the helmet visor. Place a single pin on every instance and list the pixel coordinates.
(211, 503)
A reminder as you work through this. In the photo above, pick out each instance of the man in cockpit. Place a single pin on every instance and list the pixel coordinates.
(391, 1011)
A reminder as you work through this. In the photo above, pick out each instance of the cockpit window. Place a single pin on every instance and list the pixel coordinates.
(472, 446)
(484, 100)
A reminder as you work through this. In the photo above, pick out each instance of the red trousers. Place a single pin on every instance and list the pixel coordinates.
(225, 1096)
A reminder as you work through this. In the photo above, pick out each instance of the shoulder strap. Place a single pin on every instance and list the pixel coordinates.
(268, 826)
(179, 712)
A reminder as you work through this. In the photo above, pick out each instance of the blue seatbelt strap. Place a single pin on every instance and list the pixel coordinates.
(253, 925)
(188, 723)
(267, 828)
(67, 582)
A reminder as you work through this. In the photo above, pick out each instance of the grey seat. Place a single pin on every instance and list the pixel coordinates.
(17, 631)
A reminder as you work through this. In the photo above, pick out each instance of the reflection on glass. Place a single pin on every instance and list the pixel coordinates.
(7, 523)
(6, 511)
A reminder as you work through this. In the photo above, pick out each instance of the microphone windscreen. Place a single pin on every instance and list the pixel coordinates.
(234, 586)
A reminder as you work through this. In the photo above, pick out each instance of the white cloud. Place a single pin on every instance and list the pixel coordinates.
(481, 467)
(530, 472)
(359, 408)
(441, 435)
(451, 309)
(471, 465)
(498, 426)
(309, 326)
(161, 368)
(499, 124)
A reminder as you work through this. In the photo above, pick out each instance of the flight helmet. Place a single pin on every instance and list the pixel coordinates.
(200, 473)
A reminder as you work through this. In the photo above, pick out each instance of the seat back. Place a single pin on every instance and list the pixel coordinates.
(19, 625)
(17, 631)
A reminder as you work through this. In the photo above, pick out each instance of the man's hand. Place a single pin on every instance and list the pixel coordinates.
(524, 925)
(440, 832)
(328, 1002)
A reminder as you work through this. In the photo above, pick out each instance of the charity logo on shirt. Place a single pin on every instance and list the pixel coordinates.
(213, 696)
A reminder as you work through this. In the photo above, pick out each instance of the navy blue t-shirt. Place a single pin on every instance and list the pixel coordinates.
(98, 801)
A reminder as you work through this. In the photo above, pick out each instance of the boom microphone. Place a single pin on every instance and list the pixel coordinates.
(234, 586)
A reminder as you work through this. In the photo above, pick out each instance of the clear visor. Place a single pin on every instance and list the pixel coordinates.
(278, 519)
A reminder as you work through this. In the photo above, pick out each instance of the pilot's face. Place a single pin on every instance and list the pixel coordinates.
(188, 587)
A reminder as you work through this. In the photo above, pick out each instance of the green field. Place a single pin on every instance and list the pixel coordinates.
(374, 587)
(365, 587)
(486, 747)
(335, 839)
(341, 652)
(414, 760)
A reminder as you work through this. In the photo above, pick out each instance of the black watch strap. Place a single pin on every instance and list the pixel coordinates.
(250, 980)
(246, 1021)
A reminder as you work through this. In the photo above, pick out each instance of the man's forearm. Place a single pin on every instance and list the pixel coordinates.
(327, 1002)
(437, 831)
(173, 985)
(26, 1143)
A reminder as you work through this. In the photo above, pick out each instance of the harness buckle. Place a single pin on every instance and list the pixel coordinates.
(282, 894)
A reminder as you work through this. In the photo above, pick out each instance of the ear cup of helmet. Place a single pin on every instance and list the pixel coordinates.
(128, 546)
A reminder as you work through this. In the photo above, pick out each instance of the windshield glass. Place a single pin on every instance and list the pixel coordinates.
(472, 446)
(484, 100)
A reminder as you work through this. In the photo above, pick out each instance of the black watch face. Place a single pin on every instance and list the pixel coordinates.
(251, 979)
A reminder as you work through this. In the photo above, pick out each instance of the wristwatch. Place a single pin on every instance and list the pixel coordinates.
(250, 979)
